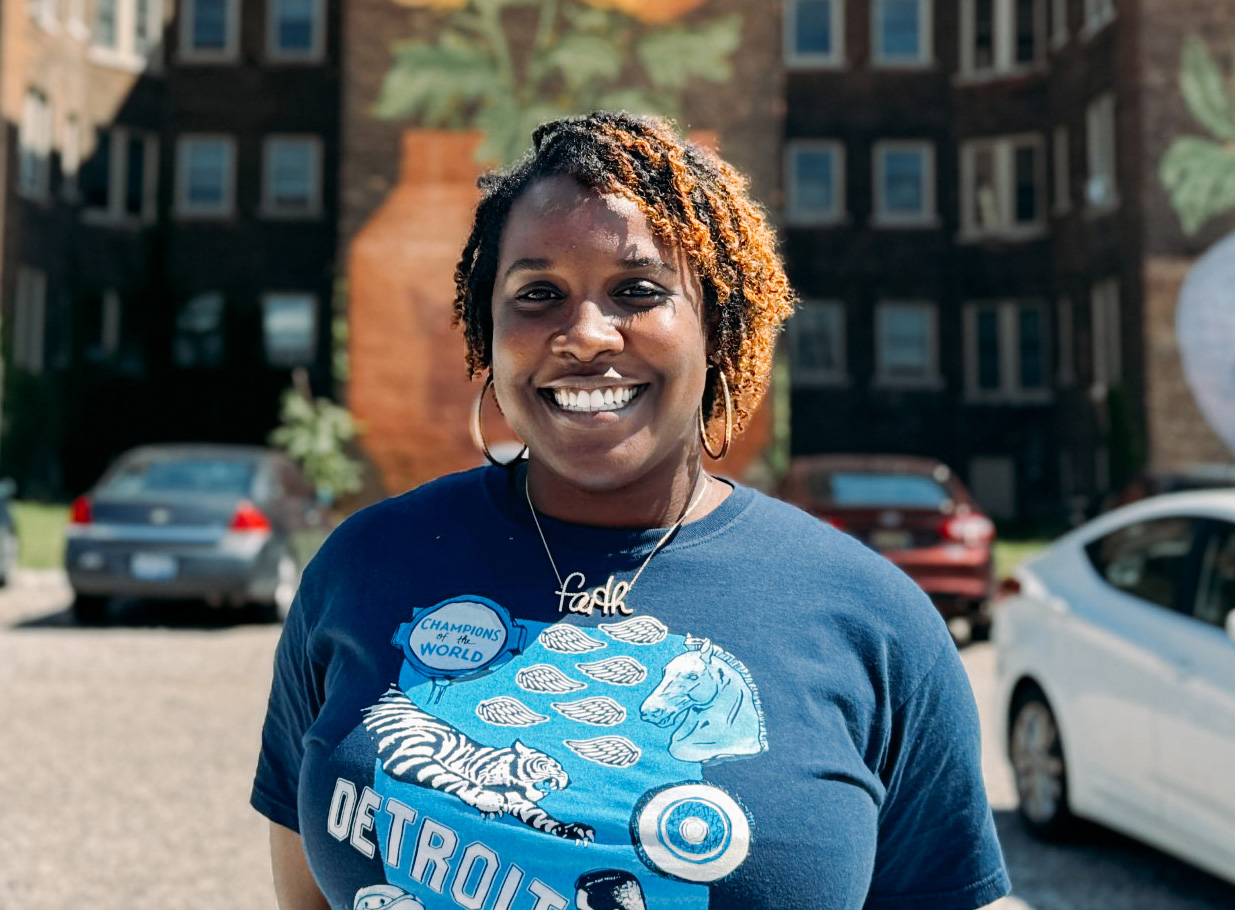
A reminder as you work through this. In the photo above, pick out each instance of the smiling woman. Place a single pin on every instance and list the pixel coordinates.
(728, 702)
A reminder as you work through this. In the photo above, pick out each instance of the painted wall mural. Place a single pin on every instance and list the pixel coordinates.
(504, 66)
(1199, 174)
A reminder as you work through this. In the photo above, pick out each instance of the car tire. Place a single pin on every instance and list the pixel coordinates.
(89, 610)
(1036, 751)
(287, 580)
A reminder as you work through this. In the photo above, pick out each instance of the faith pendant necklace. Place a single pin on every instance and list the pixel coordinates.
(609, 598)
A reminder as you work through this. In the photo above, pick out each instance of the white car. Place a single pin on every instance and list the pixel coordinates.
(1116, 677)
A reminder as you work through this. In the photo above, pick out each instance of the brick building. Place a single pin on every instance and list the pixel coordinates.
(962, 220)
(169, 222)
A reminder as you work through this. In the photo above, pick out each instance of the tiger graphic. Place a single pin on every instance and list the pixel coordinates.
(417, 748)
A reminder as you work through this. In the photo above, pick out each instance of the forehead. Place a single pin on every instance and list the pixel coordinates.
(557, 209)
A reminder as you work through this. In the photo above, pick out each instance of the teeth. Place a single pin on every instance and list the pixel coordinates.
(595, 400)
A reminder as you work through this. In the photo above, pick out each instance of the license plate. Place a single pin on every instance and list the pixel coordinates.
(153, 566)
(890, 540)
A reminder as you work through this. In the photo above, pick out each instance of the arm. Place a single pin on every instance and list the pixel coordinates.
(293, 882)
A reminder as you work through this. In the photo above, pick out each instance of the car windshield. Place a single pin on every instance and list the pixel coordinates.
(225, 477)
(858, 489)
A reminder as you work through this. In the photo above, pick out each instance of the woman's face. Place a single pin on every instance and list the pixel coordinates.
(599, 344)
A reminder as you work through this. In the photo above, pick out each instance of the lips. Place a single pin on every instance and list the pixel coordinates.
(587, 401)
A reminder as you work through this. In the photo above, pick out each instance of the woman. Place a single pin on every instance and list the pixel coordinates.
(601, 664)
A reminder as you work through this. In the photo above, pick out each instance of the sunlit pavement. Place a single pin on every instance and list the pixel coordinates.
(126, 753)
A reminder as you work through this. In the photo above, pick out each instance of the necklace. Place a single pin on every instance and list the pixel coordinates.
(609, 598)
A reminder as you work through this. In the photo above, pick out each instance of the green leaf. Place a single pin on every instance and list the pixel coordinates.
(634, 100)
(1199, 175)
(1201, 83)
(584, 60)
(433, 81)
(672, 57)
(589, 19)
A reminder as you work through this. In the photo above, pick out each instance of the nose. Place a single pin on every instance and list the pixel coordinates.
(587, 333)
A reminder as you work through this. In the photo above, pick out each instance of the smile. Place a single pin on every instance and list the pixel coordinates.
(593, 400)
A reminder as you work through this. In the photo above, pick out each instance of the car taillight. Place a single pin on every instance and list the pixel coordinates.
(971, 530)
(81, 512)
(832, 520)
(249, 517)
(1009, 587)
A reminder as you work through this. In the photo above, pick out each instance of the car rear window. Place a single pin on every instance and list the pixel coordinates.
(226, 477)
(857, 489)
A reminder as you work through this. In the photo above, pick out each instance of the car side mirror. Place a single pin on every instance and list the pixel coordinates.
(8, 487)
(1230, 624)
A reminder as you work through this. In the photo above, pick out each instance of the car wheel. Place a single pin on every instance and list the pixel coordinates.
(89, 610)
(1036, 750)
(287, 579)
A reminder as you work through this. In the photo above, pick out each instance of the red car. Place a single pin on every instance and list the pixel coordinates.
(917, 514)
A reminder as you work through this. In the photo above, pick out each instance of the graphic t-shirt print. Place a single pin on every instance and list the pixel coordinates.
(527, 766)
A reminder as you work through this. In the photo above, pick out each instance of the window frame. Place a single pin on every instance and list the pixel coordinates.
(1005, 148)
(835, 59)
(1061, 176)
(931, 379)
(1105, 308)
(1096, 15)
(1010, 389)
(926, 31)
(1102, 154)
(35, 143)
(123, 54)
(1003, 25)
(1215, 532)
(1060, 31)
(115, 211)
(816, 377)
(316, 52)
(1065, 330)
(314, 327)
(1182, 593)
(929, 214)
(190, 53)
(798, 217)
(30, 320)
(183, 208)
(270, 207)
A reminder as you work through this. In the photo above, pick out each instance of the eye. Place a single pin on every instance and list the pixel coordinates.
(641, 292)
(536, 296)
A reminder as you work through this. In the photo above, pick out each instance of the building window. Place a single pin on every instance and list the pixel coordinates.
(30, 324)
(106, 312)
(1063, 171)
(817, 343)
(295, 29)
(902, 32)
(198, 342)
(70, 156)
(205, 176)
(1059, 23)
(815, 33)
(34, 144)
(209, 30)
(1002, 187)
(904, 183)
(1067, 343)
(1101, 190)
(815, 174)
(1107, 329)
(999, 37)
(1005, 352)
(1098, 13)
(289, 324)
(119, 181)
(126, 32)
(292, 176)
(906, 345)
(44, 12)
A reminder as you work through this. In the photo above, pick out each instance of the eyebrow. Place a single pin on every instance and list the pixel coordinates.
(532, 264)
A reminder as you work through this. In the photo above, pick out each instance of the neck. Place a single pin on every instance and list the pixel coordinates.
(643, 504)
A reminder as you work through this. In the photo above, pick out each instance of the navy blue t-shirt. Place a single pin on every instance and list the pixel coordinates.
(772, 717)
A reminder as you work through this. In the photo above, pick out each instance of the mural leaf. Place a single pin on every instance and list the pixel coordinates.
(432, 81)
(634, 100)
(584, 60)
(1203, 89)
(673, 56)
(507, 128)
(1200, 177)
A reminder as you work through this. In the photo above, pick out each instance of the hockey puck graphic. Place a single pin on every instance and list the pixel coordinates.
(691, 831)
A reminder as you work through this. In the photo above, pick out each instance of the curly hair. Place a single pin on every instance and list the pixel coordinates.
(694, 202)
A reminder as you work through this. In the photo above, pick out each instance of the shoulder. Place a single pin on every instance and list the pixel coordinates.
(398, 526)
(846, 587)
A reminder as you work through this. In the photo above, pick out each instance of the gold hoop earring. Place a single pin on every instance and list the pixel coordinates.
(478, 428)
(703, 430)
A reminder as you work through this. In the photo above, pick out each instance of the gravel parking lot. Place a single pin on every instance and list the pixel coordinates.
(126, 754)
